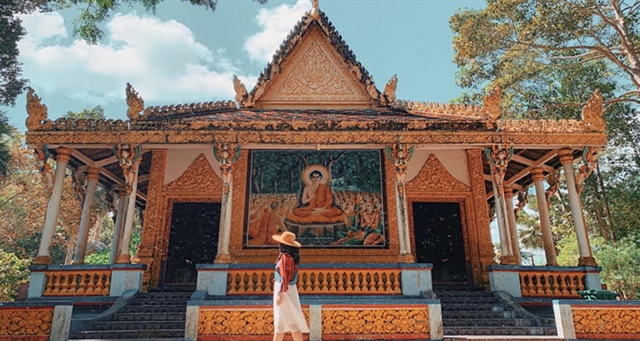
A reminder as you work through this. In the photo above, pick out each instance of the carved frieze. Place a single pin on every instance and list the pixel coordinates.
(607, 321)
(434, 177)
(393, 320)
(25, 322)
(198, 178)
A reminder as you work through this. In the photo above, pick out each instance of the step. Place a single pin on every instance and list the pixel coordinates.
(472, 300)
(464, 293)
(158, 301)
(136, 325)
(142, 339)
(149, 317)
(461, 314)
(166, 294)
(499, 331)
(155, 309)
(129, 334)
(472, 307)
(490, 322)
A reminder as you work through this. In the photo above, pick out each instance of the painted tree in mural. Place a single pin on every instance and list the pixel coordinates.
(549, 57)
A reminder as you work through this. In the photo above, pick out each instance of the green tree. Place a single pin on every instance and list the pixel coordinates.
(87, 26)
(524, 44)
(14, 271)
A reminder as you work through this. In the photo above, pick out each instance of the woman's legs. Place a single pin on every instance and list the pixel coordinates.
(278, 336)
(297, 336)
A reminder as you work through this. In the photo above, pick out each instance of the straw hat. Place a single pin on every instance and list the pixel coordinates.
(287, 238)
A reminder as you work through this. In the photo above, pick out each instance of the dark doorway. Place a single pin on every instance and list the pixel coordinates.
(438, 236)
(193, 240)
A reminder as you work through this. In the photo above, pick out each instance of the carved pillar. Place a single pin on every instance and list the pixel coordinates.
(129, 157)
(499, 156)
(485, 246)
(44, 251)
(545, 222)
(503, 229)
(512, 223)
(400, 155)
(153, 219)
(93, 174)
(586, 257)
(226, 157)
(117, 228)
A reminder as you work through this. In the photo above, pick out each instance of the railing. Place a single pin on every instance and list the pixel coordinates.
(77, 282)
(259, 281)
(552, 284)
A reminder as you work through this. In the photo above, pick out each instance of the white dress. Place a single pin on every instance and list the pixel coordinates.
(288, 317)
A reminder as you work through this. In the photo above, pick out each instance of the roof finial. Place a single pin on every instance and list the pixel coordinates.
(315, 9)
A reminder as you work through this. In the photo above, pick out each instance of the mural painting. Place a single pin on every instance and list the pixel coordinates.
(327, 198)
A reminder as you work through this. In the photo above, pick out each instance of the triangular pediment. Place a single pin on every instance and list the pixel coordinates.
(313, 69)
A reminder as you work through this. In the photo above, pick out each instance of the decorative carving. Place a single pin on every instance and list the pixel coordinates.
(592, 113)
(79, 183)
(314, 73)
(25, 321)
(615, 322)
(135, 104)
(199, 177)
(233, 322)
(452, 111)
(434, 177)
(224, 157)
(539, 126)
(553, 180)
(523, 199)
(37, 112)
(589, 158)
(191, 108)
(479, 234)
(129, 158)
(42, 158)
(499, 156)
(390, 89)
(242, 96)
(389, 321)
(400, 155)
(301, 30)
(152, 224)
(491, 102)
(445, 134)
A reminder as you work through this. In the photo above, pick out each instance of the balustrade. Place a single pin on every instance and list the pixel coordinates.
(319, 281)
(552, 284)
(77, 283)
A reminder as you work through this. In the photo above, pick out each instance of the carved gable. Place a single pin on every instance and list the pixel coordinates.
(434, 178)
(198, 179)
(315, 76)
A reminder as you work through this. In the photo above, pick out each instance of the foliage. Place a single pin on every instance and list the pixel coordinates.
(101, 257)
(620, 266)
(93, 13)
(532, 46)
(6, 132)
(24, 199)
(13, 272)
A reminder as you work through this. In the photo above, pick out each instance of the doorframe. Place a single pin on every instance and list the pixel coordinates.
(167, 227)
(468, 234)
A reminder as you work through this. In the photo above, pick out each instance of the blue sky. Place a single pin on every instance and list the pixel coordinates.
(185, 54)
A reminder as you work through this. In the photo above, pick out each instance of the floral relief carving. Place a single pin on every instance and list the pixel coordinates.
(375, 321)
(231, 322)
(27, 321)
(434, 177)
(198, 178)
(589, 322)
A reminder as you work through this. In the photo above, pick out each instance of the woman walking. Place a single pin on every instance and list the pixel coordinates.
(287, 312)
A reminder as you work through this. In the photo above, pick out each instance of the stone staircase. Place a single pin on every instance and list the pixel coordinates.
(152, 316)
(478, 315)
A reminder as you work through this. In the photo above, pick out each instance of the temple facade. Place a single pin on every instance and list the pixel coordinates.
(369, 183)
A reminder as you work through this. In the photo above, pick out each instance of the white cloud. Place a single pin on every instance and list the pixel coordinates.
(161, 59)
(276, 24)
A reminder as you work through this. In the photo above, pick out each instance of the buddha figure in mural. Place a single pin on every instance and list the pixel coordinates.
(316, 204)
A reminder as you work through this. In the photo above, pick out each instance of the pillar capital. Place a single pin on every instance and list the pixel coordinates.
(566, 156)
(63, 154)
(508, 192)
(93, 173)
(537, 174)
